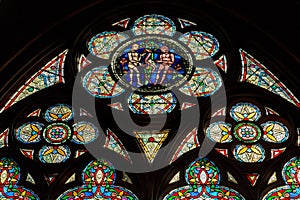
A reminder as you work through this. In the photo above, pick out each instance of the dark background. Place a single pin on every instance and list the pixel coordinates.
(21, 21)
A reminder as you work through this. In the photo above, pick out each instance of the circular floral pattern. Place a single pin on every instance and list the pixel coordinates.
(246, 130)
(57, 133)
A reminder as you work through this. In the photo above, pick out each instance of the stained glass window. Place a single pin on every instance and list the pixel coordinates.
(52, 73)
(113, 143)
(256, 73)
(159, 74)
(190, 142)
(154, 24)
(203, 178)
(290, 175)
(102, 44)
(203, 45)
(152, 104)
(248, 129)
(99, 83)
(151, 141)
(10, 176)
(98, 178)
(204, 82)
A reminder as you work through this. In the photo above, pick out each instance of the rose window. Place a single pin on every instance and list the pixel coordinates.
(248, 132)
(57, 130)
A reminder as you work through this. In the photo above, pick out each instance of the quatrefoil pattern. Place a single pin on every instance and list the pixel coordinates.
(249, 131)
(57, 130)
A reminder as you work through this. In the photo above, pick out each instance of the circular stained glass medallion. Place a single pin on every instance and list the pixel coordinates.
(247, 132)
(57, 133)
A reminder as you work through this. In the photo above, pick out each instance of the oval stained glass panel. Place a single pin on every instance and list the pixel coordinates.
(275, 132)
(219, 132)
(152, 104)
(204, 82)
(203, 45)
(29, 132)
(84, 133)
(102, 44)
(59, 112)
(100, 84)
(245, 112)
(249, 153)
(54, 154)
(154, 24)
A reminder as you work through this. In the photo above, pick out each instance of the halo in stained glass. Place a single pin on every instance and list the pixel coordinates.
(249, 153)
(204, 82)
(100, 84)
(275, 132)
(202, 172)
(203, 45)
(154, 24)
(102, 44)
(29, 132)
(57, 133)
(219, 132)
(152, 104)
(245, 112)
(84, 132)
(59, 112)
(54, 154)
(291, 172)
(247, 132)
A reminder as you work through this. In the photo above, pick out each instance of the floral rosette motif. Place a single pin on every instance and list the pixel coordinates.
(57, 131)
(248, 132)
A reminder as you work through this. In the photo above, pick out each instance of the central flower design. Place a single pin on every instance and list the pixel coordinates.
(248, 130)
